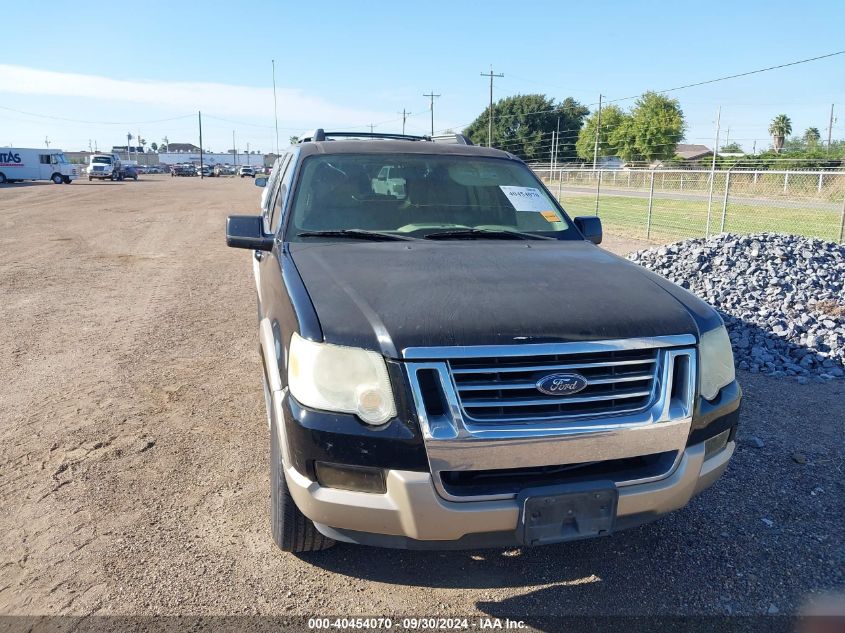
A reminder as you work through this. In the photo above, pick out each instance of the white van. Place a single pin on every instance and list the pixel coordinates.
(20, 163)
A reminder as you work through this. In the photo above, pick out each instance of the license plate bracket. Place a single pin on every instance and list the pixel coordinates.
(570, 512)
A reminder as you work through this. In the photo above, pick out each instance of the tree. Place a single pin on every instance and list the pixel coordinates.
(657, 126)
(154, 146)
(780, 128)
(523, 125)
(812, 136)
(612, 118)
(294, 140)
(731, 148)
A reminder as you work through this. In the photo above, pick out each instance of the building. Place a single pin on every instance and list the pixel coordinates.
(693, 153)
(182, 148)
(121, 149)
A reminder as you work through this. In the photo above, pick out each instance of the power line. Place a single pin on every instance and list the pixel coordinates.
(58, 118)
(693, 85)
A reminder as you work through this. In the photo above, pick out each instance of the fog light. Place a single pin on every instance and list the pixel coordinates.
(357, 478)
(716, 443)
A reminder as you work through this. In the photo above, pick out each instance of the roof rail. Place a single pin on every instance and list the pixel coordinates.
(458, 139)
(321, 135)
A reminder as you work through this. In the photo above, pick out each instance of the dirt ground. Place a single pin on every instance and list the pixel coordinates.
(133, 450)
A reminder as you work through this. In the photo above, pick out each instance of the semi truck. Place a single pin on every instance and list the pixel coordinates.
(24, 163)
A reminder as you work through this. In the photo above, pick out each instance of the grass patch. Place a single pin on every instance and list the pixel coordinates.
(681, 219)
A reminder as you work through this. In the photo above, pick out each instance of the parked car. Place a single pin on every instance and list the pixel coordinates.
(183, 170)
(246, 170)
(459, 365)
(205, 171)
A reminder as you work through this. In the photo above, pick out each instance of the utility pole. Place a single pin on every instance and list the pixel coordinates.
(432, 96)
(371, 128)
(199, 116)
(47, 142)
(404, 117)
(713, 171)
(490, 120)
(275, 106)
(89, 145)
(557, 143)
(728, 136)
(754, 148)
(234, 148)
(830, 127)
(596, 145)
(248, 161)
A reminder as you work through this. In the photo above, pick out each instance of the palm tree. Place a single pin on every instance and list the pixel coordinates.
(812, 136)
(780, 128)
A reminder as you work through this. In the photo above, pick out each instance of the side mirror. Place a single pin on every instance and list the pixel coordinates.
(260, 182)
(590, 227)
(247, 231)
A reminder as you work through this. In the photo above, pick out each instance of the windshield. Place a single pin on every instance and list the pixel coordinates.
(101, 159)
(419, 195)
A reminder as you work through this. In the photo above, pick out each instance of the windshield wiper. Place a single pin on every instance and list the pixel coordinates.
(485, 234)
(356, 234)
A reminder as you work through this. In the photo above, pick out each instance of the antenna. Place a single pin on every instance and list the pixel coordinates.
(275, 106)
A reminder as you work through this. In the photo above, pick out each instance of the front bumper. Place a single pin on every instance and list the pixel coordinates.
(413, 515)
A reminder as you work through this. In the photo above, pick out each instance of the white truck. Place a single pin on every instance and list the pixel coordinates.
(105, 167)
(22, 163)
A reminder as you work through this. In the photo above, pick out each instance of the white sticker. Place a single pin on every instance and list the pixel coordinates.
(526, 198)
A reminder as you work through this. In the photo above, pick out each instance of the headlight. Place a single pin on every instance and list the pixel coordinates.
(335, 378)
(716, 362)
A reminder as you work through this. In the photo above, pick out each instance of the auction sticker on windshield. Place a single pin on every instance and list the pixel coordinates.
(525, 198)
(529, 199)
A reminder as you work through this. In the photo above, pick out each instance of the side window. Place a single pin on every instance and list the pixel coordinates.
(270, 188)
(279, 202)
(44, 158)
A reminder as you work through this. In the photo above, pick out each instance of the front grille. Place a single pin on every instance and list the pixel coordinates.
(504, 388)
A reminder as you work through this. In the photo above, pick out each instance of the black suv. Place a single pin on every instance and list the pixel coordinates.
(450, 361)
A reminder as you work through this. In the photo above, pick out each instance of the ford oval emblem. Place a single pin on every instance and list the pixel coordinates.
(562, 384)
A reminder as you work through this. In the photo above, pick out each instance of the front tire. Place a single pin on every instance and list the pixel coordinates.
(2, 178)
(57, 179)
(292, 531)
(66, 180)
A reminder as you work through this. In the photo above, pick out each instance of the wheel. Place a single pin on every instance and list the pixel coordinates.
(57, 179)
(2, 178)
(135, 177)
(66, 180)
(292, 530)
(90, 178)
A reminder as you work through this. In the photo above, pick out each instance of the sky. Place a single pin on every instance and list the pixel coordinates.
(93, 76)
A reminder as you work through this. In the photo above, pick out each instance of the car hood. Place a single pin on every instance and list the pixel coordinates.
(390, 296)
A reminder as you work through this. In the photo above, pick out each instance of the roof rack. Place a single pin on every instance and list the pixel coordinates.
(321, 135)
(459, 139)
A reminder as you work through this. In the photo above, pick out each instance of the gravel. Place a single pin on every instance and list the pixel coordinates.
(782, 297)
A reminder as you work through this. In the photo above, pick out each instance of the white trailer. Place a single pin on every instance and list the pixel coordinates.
(22, 163)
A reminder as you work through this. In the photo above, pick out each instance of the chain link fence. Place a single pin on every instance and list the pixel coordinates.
(663, 205)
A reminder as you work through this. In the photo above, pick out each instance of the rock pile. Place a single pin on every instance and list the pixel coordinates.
(782, 297)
